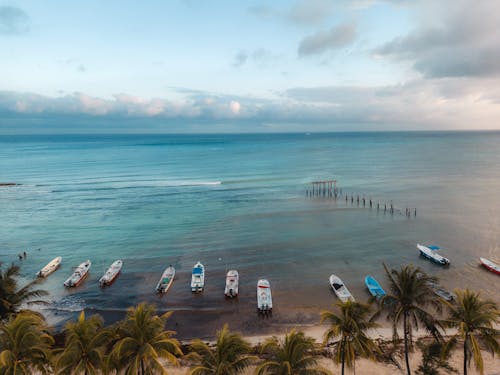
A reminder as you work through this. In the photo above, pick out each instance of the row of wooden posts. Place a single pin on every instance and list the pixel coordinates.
(329, 189)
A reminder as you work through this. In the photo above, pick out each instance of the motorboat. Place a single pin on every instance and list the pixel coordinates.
(50, 267)
(79, 274)
(441, 292)
(232, 281)
(374, 287)
(264, 298)
(430, 252)
(340, 289)
(488, 264)
(166, 280)
(111, 273)
(198, 278)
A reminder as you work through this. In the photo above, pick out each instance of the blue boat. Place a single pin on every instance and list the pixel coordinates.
(374, 287)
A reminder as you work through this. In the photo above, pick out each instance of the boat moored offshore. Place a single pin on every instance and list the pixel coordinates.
(232, 281)
(50, 267)
(166, 280)
(430, 252)
(111, 273)
(264, 297)
(198, 278)
(78, 275)
(488, 264)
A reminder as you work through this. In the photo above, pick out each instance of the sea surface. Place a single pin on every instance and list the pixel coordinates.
(241, 202)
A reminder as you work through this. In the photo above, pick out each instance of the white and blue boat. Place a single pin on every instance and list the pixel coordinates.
(198, 278)
(430, 252)
(374, 287)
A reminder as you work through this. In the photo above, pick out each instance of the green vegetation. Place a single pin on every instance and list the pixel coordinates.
(474, 319)
(11, 296)
(294, 354)
(351, 325)
(140, 344)
(230, 356)
(410, 295)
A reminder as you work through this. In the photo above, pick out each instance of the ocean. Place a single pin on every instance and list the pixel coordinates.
(240, 202)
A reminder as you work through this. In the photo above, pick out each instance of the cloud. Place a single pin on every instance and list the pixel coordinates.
(240, 59)
(310, 12)
(259, 56)
(337, 37)
(463, 43)
(13, 21)
(235, 107)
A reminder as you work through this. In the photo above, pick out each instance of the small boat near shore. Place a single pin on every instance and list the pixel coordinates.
(232, 281)
(430, 253)
(490, 266)
(166, 280)
(264, 297)
(50, 267)
(340, 289)
(198, 278)
(78, 275)
(374, 287)
(442, 292)
(111, 273)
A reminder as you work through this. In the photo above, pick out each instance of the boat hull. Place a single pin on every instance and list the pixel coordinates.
(374, 287)
(198, 278)
(433, 257)
(79, 275)
(490, 266)
(166, 280)
(264, 297)
(51, 267)
(111, 274)
(232, 284)
(340, 289)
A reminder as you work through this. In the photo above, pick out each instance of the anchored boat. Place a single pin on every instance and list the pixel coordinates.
(232, 281)
(166, 280)
(340, 289)
(198, 278)
(111, 273)
(488, 264)
(264, 298)
(430, 253)
(78, 275)
(442, 292)
(50, 267)
(374, 287)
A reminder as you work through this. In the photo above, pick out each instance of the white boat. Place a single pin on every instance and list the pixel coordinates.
(111, 273)
(50, 267)
(198, 278)
(430, 253)
(493, 267)
(232, 281)
(167, 278)
(442, 292)
(340, 289)
(78, 275)
(264, 298)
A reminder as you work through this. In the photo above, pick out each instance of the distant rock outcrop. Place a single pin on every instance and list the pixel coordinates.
(8, 184)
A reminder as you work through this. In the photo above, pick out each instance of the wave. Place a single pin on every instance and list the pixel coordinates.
(67, 304)
(118, 185)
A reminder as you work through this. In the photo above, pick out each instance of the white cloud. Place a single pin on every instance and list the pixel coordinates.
(321, 41)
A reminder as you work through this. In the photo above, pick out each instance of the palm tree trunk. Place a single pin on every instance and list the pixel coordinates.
(142, 368)
(405, 329)
(465, 357)
(342, 348)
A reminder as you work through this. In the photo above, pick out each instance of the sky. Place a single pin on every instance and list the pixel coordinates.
(187, 66)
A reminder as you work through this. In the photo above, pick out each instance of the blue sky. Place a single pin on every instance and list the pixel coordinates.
(248, 66)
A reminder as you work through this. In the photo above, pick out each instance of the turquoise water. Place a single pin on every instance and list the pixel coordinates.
(239, 201)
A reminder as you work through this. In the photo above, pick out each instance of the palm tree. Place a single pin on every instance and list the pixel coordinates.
(291, 356)
(11, 296)
(351, 325)
(143, 342)
(475, 320)
(410, 293)
(229, 357)
(85, 346)
(25, 345)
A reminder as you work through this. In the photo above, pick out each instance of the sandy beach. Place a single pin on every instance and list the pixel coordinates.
(363, 366)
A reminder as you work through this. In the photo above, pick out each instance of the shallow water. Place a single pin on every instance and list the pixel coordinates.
(239, 201)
